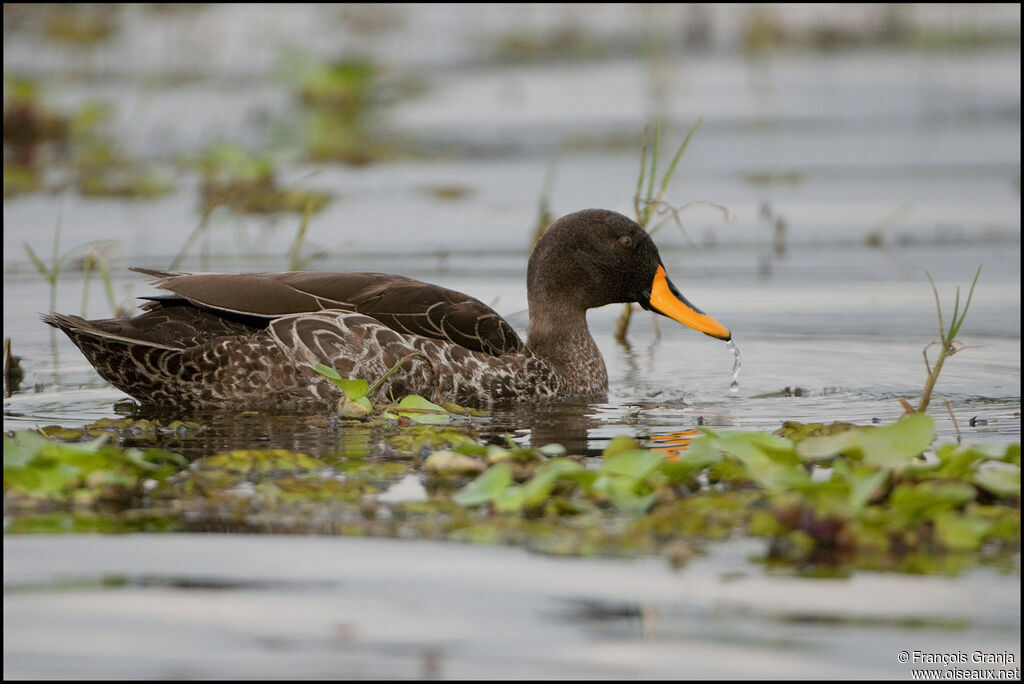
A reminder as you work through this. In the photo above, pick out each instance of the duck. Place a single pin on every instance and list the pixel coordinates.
(251, 341)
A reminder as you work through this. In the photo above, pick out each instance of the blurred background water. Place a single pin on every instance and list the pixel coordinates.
(844, 151)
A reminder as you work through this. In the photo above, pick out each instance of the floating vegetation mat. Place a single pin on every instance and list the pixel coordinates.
(826, 499)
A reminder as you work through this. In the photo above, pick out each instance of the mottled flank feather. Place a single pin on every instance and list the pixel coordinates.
(273, 367)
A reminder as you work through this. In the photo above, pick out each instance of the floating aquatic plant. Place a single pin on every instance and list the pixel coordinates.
(341, 99)
(355, 401)
(28, 125)
(418, 410)
(824, 498)
(839, 489)
(245, 183)
(36, 466)
(101, 167)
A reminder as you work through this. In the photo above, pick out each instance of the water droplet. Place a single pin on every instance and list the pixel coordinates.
(734, 387)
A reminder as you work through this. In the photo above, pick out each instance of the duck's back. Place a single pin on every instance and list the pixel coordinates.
(403, 304)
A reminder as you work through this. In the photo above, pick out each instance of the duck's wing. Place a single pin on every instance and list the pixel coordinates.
(403, 304)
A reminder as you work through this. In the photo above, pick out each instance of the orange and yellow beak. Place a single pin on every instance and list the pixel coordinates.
(666, 300)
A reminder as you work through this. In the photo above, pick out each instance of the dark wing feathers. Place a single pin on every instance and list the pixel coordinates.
(254, 294)
(403, 304)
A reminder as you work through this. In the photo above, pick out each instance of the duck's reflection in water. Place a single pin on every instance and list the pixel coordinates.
(673, 444)
(571, 424)
(563, 422)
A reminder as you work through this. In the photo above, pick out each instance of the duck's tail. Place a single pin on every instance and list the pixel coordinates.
(133, 366)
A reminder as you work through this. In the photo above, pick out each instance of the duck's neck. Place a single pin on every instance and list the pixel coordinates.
(561, 337)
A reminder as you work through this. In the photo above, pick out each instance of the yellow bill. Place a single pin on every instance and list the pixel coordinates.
(666, 300)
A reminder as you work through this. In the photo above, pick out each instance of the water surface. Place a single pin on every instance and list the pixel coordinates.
(843, 176)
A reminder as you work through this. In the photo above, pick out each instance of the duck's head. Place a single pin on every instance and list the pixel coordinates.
(595, 257)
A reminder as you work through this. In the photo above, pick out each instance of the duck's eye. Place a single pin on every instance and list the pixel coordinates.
(625, 241)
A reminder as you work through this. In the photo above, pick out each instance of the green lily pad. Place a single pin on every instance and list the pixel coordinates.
(618, 444)
(452, 462)
(41, 467)
(926, 500)
(538, 487)
(485, 488)
(889, 446)
(863, 482)
(353, 389)
(260, 461)
(625, 500)
(635, 463)
(1003, 482)
(959, 532)
(419, 410)
(892, 446)
(509, 499)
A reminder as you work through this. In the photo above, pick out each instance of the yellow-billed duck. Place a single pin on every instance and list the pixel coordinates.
(251, 340)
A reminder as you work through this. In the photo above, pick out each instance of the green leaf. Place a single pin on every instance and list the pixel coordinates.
(55, 478)
(1003, 482)
(675, 160)
(138, 459)
(509, 499)
(452, 462)
(151, 455)
(452, 407)
(420, 410)
(553, 450)
(585, 478)
(90, 447)
(955, 461)
(889, 446)
(327, 372)
(636, 463)
(766, 441)
(16, 454)
(496, 453)
(618, 444)
(485, 488)
(863, 482)
(537, 489)
(926, 500)
(43, 269)
(44, 474)
(769, 470)
(259, 461)
(621, 494)
(691, 461)
(828, 499)
(817, 448)
(354, 389)
(961, 532)
(894, 445)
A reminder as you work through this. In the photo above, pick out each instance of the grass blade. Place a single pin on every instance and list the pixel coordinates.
(938, 305)
(294, 263)
(675, 160)
(43, 269)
